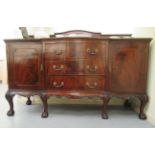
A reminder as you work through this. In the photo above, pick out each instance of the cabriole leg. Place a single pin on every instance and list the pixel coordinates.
(44, 99)
(143, 101)
(104, 108)
(29, 102)
(9, 98)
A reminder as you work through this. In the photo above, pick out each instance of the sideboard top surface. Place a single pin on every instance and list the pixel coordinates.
(74, 38)
(80, 34)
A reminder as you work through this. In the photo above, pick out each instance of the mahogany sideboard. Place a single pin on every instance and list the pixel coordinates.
(86, 65)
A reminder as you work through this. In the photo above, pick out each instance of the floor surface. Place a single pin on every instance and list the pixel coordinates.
(67, 116)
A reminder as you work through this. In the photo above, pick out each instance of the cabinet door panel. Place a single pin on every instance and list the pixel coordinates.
(128, 66)
(25, 61)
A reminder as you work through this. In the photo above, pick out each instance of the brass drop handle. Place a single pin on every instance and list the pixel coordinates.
(56, 85)
(92, 69)
(91, 52)
(58, 68)
(91, 86)
(59, 52)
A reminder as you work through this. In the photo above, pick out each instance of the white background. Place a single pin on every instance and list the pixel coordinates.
(96, 15)
(110, 16)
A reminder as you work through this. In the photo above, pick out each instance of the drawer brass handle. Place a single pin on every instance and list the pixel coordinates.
(89, 51)
(59, 52)
(56, 85)
(91, 69)
(58, 68)
(91, 86)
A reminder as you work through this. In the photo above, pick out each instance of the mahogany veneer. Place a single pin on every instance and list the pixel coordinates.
(93, 66)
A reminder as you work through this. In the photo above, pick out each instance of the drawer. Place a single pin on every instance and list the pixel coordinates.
(81, 67)
(87, 83)
(55, 50)
(95, 49)
(60, 50)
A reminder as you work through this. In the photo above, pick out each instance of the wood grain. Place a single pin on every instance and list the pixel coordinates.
(96, 66)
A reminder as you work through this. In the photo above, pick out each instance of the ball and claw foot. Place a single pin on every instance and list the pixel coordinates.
(104, 108)
(44, 115)
(144, 100)
(105, 116)
(142, 116)
(29, 102)
(10, 113)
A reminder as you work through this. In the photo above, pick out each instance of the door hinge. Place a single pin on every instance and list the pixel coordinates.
(41, 68)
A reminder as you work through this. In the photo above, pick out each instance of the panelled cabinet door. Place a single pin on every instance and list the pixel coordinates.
(25, 68)
(128, 66)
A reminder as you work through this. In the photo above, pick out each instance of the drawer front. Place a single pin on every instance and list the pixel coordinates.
(74, 50)
(95, 49)
(80, 67)
(86, 49)
(87, 83)
(55, 50)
